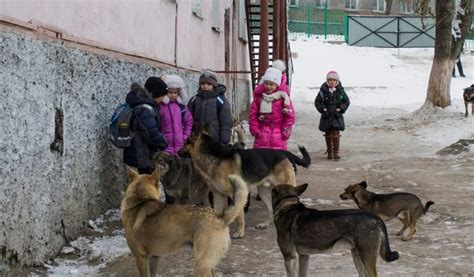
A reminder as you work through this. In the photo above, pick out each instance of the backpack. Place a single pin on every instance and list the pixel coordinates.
(120, 133)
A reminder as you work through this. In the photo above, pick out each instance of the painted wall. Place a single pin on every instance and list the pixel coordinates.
(57, 168)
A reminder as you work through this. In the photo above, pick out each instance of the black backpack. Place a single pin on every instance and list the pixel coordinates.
(120, 133)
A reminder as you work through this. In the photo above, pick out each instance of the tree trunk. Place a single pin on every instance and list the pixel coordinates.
(388, 7)
(446, 51)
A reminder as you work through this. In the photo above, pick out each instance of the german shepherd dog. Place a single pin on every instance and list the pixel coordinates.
(180, 180)
(468, 96)
(302, 231)
(260, 167)
(154, 229)
(406, 206)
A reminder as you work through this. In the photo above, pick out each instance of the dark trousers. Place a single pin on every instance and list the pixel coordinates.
(459, 65)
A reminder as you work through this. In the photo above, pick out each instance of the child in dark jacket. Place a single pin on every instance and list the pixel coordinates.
(145, 123)
(332, 102)
(210, 107)
(176, 119)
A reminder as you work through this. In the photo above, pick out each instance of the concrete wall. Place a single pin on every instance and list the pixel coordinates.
(57, 168)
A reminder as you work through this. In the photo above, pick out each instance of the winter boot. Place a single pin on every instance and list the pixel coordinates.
(329, 145)
(335, 139)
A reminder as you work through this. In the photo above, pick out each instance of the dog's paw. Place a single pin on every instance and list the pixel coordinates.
(238, 235)
(261, 226)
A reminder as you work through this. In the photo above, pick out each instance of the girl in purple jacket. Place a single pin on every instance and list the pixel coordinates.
(176, 120)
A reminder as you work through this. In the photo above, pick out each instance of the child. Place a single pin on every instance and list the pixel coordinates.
(176, 120)
(332, 102)
(146, 124)
(272, 115)
(210, 107)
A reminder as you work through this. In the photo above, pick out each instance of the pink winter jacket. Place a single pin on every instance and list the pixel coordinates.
(274, 129)
(175, 129)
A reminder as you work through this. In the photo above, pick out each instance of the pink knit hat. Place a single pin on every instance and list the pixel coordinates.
(332, 75)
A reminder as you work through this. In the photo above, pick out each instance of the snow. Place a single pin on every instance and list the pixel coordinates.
(385, 79)
(393, 80)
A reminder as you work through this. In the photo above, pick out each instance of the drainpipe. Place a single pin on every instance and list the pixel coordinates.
(276, 30)
(176, 35)
(263, 50)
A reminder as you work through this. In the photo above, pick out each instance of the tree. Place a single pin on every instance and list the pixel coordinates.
(448, 45)
(388, 7)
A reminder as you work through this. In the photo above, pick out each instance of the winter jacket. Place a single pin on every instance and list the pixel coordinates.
(146, 125)
(331, 119)
(274, 129)
(205, 109)
(176, 124)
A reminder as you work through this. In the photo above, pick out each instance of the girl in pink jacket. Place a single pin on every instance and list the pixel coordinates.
(176, 120)
(272, 114)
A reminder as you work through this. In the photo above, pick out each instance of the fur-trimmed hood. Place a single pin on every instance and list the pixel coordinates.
(176, 82)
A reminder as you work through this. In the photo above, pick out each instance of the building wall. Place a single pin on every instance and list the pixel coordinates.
(57, 168)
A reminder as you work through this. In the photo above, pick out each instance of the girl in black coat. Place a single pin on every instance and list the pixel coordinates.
(332, 102)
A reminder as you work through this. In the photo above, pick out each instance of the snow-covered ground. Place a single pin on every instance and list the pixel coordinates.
(386, 87)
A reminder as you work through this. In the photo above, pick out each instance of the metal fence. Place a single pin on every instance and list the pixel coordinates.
(390, 31)
(313, 20)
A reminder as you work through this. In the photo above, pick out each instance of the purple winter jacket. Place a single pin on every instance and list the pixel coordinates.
(175, 129)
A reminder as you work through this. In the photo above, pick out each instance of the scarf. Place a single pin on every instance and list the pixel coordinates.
(267, 99)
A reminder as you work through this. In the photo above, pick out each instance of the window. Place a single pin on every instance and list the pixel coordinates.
(242, 21)
(216, 15)
(404, 6)
(351, 4)
(197, 8)
(294, 3)
(321, 4)
(380, 6)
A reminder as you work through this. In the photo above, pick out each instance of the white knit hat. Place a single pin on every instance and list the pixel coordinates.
(272, 75)
(175, 82)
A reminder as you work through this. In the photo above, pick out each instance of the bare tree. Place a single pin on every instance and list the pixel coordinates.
(447, 47)
(388, 7)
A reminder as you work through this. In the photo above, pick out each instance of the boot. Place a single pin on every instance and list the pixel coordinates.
(329, 145)
(335, 138)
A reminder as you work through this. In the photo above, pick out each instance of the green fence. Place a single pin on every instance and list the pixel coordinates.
(312, 20)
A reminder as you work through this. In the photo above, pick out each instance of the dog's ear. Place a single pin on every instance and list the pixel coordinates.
(300, 189)
(363, 184)
(132, 173)
(206, 129)
(156, 173)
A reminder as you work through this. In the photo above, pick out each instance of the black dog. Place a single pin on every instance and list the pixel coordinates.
(468, 96)
(302, 231)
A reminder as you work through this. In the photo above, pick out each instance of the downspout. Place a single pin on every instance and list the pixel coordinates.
(276, 30)
(176, 35)
(263, 50)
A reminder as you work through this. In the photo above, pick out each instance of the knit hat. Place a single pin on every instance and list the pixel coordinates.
(272, 75)
(208, 76)
(332, 75)
(156, 87)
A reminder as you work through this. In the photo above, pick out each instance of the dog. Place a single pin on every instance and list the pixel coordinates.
(302, 231)
(154, 229)
(468, 96)
(260, 167)
(180, 180)
(406, 206)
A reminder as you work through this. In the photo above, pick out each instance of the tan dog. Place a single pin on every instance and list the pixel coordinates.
(154, 228)
(406, 206)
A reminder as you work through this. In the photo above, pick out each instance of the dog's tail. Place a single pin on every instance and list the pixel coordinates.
(387, 254)
(304, 162)
(427, 206)
(240, 199)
